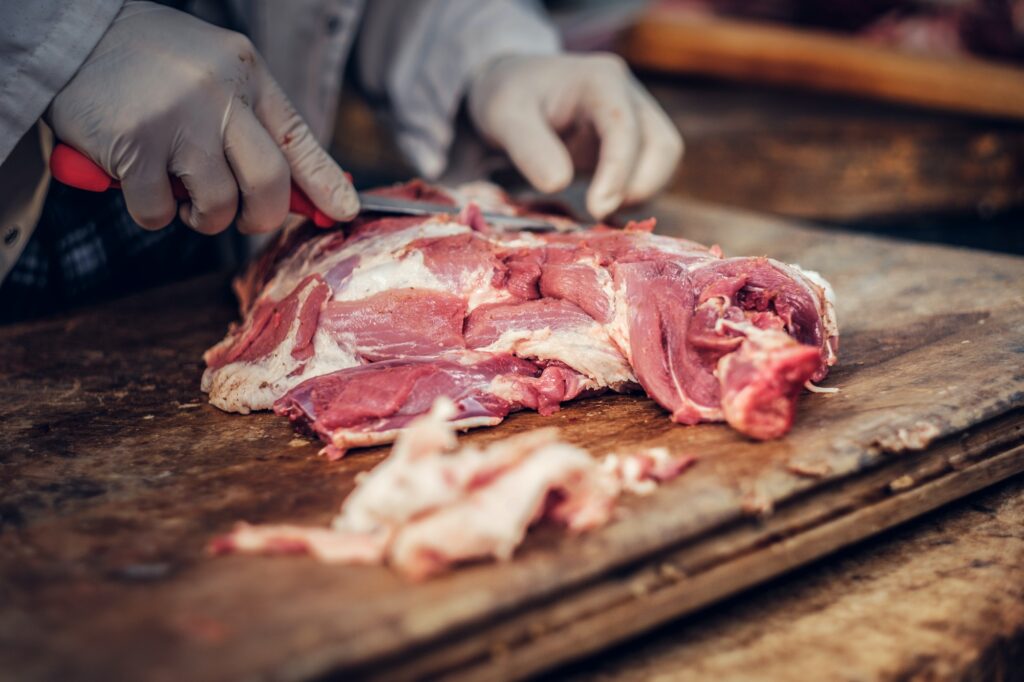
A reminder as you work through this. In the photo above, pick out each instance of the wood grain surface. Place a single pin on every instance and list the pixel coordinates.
(115, 474)
(942, 598)
(680, 42)
(819, 157)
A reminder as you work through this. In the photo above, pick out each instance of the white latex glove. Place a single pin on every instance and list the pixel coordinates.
(165, 93)
(553, 114)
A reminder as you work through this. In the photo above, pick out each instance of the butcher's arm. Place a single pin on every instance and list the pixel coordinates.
(42, 44)
(421, 56)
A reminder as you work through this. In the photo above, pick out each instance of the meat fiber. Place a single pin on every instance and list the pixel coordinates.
(352, 335)
(428, 507)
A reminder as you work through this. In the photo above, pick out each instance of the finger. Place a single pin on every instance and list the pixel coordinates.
(148, 197)
(535, 148)
(614, 117)
(661, 149)
(261, 171)
(312, 168)
(212, 188)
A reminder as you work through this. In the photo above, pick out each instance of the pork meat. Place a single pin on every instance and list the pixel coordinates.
(353, 334)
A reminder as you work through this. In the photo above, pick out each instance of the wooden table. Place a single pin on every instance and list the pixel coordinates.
(941, 598)
(116, 473)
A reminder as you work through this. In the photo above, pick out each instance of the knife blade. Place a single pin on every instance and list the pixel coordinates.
(395, 206)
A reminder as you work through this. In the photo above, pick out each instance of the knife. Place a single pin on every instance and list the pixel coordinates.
(73, 168)
(392, 205)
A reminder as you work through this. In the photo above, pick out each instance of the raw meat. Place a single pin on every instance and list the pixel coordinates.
(427, 507)
(353, 335)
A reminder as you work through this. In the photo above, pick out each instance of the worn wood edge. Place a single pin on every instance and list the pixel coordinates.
(668, 40)
(686, 578)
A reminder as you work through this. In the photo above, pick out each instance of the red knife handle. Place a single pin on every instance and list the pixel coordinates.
(73, 168)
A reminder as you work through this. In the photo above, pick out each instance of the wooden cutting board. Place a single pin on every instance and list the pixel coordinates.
(672, 39)
(114, 474)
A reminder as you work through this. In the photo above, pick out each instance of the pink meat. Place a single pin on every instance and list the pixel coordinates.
(545, 394)
(671, 370)
(375, 323)
(398, 324)
(761, 381)
(269, 324)
(577, 283)
(348, 407)
(523, 272)
(428, 507)
(459, 259)
(309, 318)
(487, 323)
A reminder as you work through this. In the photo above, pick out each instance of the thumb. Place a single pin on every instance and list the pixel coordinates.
(312, 168)
(534, 147)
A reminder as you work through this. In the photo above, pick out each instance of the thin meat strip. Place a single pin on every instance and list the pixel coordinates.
(430, 506)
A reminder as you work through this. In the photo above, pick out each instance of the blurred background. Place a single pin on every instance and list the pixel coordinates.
(886, 116)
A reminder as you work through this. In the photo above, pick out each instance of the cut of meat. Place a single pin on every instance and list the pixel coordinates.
(579, 283)
(399, 323)
(354, 335)
(369, 404)
(761, 380)
(659, 300)
(427, 506)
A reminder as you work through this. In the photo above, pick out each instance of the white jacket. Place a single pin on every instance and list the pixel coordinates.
(417, 56)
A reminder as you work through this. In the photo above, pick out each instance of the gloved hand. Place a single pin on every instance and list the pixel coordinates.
(165, 93)
(552, 114)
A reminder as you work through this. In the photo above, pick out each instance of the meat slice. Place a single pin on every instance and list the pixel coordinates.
(429, 506)
(659, 302)
(550, 330)
(354, 334)
(397, 324)
(583, 284)
(269, 353)
(370, 404)
(486, 325)
(461, 261)
(761, 381)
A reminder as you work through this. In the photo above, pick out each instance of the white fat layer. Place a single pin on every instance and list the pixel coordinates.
(478, 290)
(372, 253)
(618, 328)
(344, 440)
(330, 354)
(386, 265)
(586, 349)
(766, 339)
(386, 274)
(255, 385)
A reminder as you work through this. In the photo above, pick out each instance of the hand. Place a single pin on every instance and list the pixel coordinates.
(556, 113)
(165, 93)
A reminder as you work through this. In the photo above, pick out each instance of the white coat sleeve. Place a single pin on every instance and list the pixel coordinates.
(42, 44)
(420, 55)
